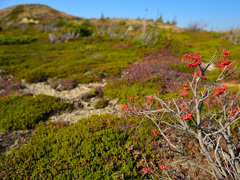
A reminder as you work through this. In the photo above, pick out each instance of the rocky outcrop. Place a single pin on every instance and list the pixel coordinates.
(81, 97)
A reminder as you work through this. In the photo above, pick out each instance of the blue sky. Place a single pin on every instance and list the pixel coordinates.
(218, 14)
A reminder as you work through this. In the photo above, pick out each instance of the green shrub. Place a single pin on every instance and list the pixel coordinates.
(22, 112)
(90, 149)
(31, 23)
(94, 92)
(81, 30)
(122, 23)
(101, 104)
(36, 75)
(86, 23)
(9, 40)
(60, 23)
(123, 90)
(85, 79)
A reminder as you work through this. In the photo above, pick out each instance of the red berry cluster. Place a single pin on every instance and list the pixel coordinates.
(199, 73)
(226, 62)
(146, 171)
(233, 112)
(188, 116)
(126, 108)
(220, 90)
(150, 98)
(226, 53)
(182, 106)
(163, 167)
(195, 58)
(154, 132)
(185, 90)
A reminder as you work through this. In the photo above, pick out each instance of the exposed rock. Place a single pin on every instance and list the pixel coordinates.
(87, 72)
(2, 71)
(26, 21)
(212, 67)
(80, 97)
(130, 28)
(8, 141)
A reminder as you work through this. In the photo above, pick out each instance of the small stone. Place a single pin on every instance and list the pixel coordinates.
(114, 101)
(2, 71)
(130, 28)
(87, 72)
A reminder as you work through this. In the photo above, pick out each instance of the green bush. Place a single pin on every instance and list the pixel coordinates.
(85, 79)
(123, 90)
(86, 23)
(22, 112)
(81, 30)
(90, 149)
(60, 23)
(8, 40)
(36, 75)
(101, 104)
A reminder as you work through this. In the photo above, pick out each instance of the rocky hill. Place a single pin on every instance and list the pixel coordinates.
(31, 12)
(37, 13)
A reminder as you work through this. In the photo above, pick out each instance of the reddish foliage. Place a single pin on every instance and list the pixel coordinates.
(8, 85)
(64, 84)
(158, 64)
(123, 45)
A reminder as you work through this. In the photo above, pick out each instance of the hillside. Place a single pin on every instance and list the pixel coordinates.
(16, 14)
(116, 98)
(38, 13)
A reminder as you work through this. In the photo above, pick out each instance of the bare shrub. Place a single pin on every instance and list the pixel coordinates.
(197, 26)
(234, 36)
(61, 37)
(200, 137)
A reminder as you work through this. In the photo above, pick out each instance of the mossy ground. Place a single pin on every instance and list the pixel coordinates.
(94, 147)
(24, 112)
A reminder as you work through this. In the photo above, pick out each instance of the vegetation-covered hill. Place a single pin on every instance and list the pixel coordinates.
(16, 14)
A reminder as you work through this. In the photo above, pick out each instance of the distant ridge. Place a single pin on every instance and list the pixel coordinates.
(16, 14)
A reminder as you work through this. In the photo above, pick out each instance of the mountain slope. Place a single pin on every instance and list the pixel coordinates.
(15, 14)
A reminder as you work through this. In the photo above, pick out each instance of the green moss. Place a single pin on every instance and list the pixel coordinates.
(36, 75)
(22, 112)
(68, 60)
(94, 92)
(101, 104)
(139, 90)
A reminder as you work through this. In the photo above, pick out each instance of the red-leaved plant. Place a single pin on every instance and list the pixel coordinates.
(200, 139)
